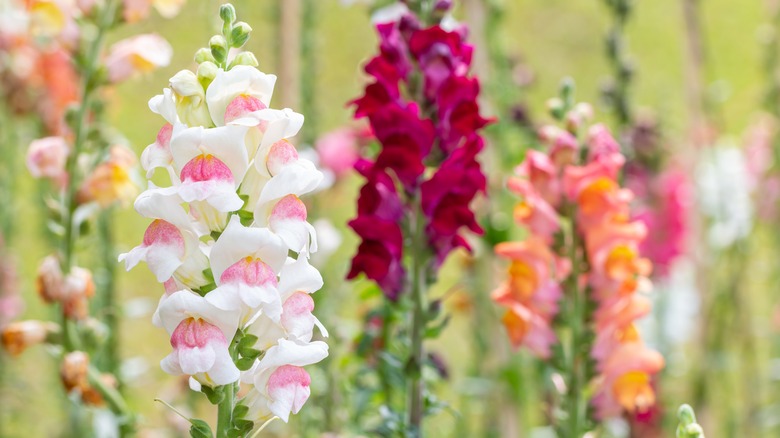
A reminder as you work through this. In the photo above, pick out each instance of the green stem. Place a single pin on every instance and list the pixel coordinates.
(419, 317)
(107, 305)
(576, 321)
(225, 407)
(112, 397)
(80, 131)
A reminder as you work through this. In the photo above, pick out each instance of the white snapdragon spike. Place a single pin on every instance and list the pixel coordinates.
(200, 336)
(230, 238)
(241, 80)
(245, 263)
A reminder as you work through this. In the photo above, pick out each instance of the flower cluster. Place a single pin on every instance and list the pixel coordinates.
(428, 144)
(39, 40)
(236, 305)
(580, 236)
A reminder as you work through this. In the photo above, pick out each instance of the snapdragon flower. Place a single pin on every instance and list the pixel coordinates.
(229, 237)
(582, 245)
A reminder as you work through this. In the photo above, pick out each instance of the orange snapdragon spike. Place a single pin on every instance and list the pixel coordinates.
(578, 191)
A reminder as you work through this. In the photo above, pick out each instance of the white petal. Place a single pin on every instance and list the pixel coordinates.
(165, 105)
(299, 276)
(238, 80)
(296, 179)
(292, 353)
(224, 370)
(238, 241)
(196, 360)
(225, 142)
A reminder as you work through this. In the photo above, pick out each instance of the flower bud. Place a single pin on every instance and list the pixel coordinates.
(245, 58)
(578, 116)
(190, 99)
(203, 54)
(73, 371)
(18, 336)
(239, 34)
(219, 48)
(207, 71)
(556, 107)
(50, 280)
(227, 13)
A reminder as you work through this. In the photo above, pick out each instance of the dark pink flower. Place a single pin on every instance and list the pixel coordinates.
(440, 55)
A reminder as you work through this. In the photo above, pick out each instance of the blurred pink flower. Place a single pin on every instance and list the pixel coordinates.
(338, 149)
(666, 215)
(138, 54)
(46, 158)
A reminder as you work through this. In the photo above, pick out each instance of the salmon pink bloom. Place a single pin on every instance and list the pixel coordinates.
(581, 248)
(530, 294)
(627, 381)
(563, 145)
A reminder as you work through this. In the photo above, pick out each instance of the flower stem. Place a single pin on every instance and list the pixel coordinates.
(419, 303)
(576, 322)
(107, 306)
(225, 407)
(80, 130)
(114, 400)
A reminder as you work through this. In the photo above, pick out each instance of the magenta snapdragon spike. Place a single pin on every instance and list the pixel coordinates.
(422, 107)
(415, 206)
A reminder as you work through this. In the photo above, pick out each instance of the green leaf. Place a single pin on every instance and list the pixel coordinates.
(215, 395)
(208, 274)
(250, 353)
(244, 426)
(435, 330)
(247, 342)
(200, 429)
(245, 363)
(239, 412)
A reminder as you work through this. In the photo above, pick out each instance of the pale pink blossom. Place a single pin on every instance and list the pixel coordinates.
(338, 150)
(136, 55)
(46, 158)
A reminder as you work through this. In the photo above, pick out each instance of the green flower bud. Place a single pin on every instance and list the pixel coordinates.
(207, 71)
(227, 13)
(567, 93)
(245, 58)
(219, 48)
(688, 428)
(204, 55)
(239, 34)
(556, 107)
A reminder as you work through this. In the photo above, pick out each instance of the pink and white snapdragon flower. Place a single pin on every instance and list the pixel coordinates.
(229, 237)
